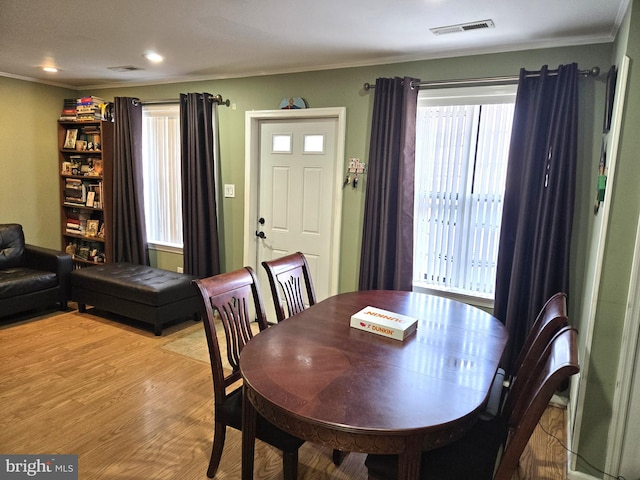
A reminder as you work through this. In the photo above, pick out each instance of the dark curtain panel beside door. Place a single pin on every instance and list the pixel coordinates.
(199, 185)
(129, 229)
(386, 257)
(535, 237)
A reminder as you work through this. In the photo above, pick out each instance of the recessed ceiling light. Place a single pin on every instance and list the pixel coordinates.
(154, 57)
(50, 69)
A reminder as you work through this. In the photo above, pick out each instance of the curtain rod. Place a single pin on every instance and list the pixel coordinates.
(171, 101)
(593, 72)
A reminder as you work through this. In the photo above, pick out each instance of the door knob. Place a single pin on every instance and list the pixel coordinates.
(260, 234)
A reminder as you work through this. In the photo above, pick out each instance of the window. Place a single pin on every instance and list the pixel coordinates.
(162, 177)
(462, 144)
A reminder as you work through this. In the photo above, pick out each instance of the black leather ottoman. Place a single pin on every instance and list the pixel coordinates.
(143, 293)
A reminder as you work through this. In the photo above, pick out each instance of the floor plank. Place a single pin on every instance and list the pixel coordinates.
(107, 390)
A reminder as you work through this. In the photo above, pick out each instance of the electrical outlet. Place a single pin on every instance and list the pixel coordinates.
(180, 270)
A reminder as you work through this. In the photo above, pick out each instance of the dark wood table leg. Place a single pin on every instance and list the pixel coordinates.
(338, 457)
(249, 417)
(410, 459)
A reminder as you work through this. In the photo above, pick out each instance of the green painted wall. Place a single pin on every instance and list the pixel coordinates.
(165, 260)
(623, 220)
(29, 189)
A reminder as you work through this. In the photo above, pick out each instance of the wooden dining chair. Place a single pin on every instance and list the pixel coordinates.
(234, 298)
(551, 318)
(476, 453)
(286, 278)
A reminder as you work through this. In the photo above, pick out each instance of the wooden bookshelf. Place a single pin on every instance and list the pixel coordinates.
(85, 153)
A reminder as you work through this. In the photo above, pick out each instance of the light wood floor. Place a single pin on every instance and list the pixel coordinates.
(130, 409)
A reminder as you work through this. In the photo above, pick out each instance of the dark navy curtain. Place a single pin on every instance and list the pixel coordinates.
(129, 229)
(535, 237)
(199, 152)
(386, 258)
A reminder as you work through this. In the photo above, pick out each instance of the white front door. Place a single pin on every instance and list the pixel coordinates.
(296, 187)
(298, 197)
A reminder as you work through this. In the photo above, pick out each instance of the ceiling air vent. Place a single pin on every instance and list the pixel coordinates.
(125, 68)
(463, 27)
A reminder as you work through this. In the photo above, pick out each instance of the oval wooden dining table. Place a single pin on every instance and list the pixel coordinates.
(321, 380)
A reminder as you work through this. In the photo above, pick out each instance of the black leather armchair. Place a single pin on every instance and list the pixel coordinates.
(30, 277)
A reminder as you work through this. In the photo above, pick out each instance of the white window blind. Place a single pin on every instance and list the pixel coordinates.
(462, 144)
(162, 176)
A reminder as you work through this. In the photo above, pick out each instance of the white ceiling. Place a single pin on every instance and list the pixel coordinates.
(209, 39)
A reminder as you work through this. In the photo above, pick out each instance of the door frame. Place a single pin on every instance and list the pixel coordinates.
(253, 121)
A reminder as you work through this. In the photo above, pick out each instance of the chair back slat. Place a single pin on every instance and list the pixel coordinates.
(233, 299)
(287, 275)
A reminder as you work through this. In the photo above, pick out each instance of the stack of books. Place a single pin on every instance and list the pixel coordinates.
(75, 193)
(68, 110)
(76, 222)
(88, 109)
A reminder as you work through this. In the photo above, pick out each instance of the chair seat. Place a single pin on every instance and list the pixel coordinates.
(471, 457)
(231, 413)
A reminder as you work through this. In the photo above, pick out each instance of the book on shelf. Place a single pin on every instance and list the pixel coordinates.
(383, 322)
(89, 100)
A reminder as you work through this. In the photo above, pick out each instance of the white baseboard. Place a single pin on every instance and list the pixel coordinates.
(573, 475)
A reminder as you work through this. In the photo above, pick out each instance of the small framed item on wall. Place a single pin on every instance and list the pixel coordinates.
(292, 103)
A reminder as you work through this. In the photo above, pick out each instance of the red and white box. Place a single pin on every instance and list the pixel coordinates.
(385, 323)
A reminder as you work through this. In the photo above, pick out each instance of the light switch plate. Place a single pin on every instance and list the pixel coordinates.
(229, 190)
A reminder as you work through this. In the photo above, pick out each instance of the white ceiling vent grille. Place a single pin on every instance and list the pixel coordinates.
(125, 68)
(463, 27)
